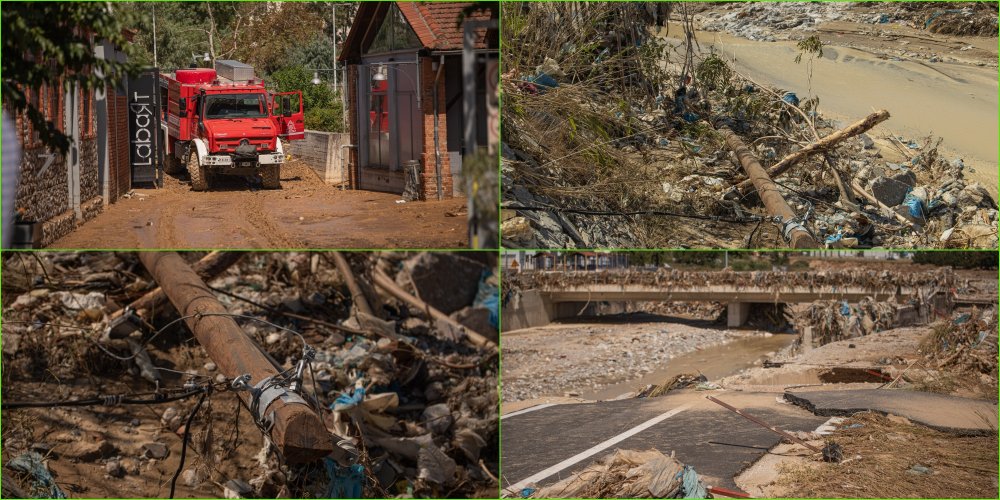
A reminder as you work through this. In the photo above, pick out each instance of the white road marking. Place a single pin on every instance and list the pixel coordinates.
(520, 485)
(527, 410)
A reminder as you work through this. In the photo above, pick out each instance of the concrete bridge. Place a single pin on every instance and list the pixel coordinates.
(550, 298)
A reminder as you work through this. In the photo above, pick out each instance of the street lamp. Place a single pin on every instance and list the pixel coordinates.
(316, 80)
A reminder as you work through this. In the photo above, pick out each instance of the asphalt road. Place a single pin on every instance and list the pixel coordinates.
(544, 446)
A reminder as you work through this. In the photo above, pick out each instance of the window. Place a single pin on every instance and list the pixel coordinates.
(235, 106)
(394, 34)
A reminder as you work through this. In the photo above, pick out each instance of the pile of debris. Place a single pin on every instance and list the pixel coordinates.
(967, 341)
(394, 352)
(833, 320)
(629, 474)
(775, 280)
(766, 21)
(616, 138)
(710, 311)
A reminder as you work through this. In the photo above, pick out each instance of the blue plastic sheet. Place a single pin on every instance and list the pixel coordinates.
(914, 205)
(845, 309)
(693, 487)
(43, 485)
(790, 98)
(345, 482)
(488, 296)
(346, 401)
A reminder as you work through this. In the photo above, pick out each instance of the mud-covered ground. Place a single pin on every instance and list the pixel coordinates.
(426, 424)
(304, 213)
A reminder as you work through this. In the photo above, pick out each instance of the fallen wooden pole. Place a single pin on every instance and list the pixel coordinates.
(357, 295)
(384, 282)
(207, 268)
(822, 145)
(297, 432)
(764, 424)
(773, 201)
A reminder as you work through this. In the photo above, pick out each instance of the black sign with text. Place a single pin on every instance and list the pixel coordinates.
(144, 126)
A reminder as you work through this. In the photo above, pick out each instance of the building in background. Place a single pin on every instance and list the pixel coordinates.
(59, 191)
(405, 95)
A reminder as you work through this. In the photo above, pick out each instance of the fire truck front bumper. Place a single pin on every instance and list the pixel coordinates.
(271, 158)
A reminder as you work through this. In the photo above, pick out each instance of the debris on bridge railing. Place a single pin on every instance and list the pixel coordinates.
(679, 279)
(630, 474)
(833, 320)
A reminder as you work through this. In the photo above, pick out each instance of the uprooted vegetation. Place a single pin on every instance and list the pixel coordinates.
(610, 140)
(411, 402)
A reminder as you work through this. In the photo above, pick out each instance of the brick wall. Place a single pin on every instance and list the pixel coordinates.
(429, 187)
(321, 151)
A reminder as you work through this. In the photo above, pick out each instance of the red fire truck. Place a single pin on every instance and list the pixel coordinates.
(224, 122)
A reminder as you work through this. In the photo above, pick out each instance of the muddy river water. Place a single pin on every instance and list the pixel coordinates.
(954, 101)
(714, 362)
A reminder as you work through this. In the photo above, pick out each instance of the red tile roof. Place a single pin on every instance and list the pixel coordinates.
(435, 23)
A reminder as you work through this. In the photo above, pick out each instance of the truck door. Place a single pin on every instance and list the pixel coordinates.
(288, 115)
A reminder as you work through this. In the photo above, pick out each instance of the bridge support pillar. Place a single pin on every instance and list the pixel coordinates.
(737, 314)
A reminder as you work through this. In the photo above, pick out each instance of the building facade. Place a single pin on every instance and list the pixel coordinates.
(405, 95)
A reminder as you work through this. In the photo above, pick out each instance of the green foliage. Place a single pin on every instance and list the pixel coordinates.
(958, 260)
(317, 53)
(298, 78)
(811, 45)
(323, 107)
(44, 42)
(326, 119)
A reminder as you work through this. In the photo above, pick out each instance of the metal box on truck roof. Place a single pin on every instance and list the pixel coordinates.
(234, 70)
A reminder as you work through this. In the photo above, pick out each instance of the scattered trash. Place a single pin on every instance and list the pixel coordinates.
(832, 452)
(630, 474)
(43, 485)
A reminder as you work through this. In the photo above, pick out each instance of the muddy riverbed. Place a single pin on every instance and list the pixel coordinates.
(608, 357)
(947, 97)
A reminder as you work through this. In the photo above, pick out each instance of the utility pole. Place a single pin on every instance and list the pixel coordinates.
(155, 64)
(295, 429)
(334, 33)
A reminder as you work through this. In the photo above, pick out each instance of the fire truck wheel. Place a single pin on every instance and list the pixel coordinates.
(199, 178)
(171, 164)
(271, 176)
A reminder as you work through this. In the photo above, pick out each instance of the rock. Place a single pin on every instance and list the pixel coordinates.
(192, 478)
(158, 451)
(437, 418)
(114, 468)
(888, 190)
(477, 319)
(446, 281)
(516, 229)
(272, 338)
(237, 488)
(908, 178)
(866, 142)
(89, 451)
(210, 366)
(975, 195)
(171, 418)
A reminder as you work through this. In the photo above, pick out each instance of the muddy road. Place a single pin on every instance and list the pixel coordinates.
(953, 97)
(305, 213)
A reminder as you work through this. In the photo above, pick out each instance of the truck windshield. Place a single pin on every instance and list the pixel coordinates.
(235, 106)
